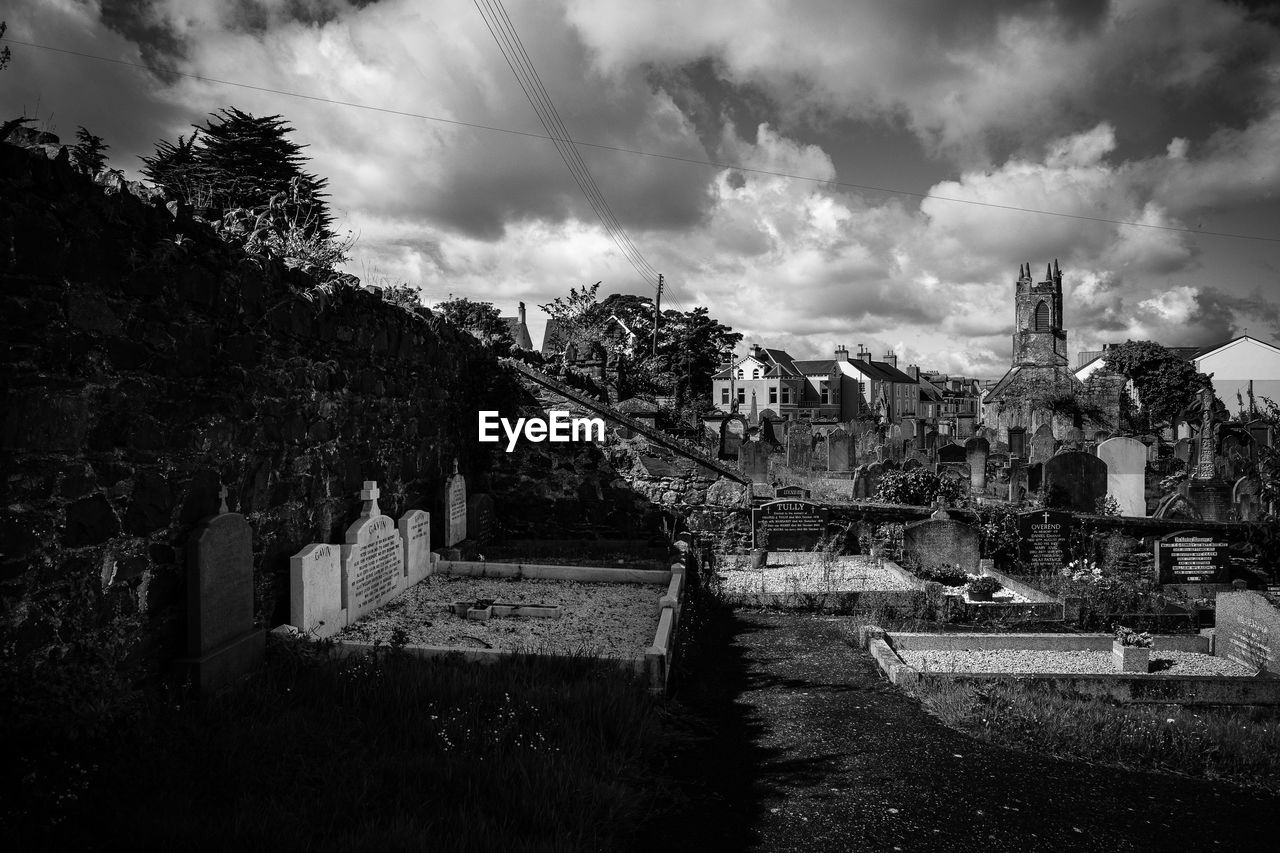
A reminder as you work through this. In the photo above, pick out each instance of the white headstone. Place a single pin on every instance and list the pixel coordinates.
(1126, 460)
(455, 508)
(415, 532)
(372, 559)
(315, 591)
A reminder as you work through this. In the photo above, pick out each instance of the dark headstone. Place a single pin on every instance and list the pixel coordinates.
(1075, 480)
(1042, 443)
(799, 446)
(1191, 557)
(942, 542)
(480, 518)
(799, 492)
(818, 454)
(753, 460)
(1044, 539)
(789, 524)
(222, 643)
(732, 431)
(951, 453)
(839, 451)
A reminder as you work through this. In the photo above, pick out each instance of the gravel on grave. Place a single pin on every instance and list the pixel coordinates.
(600, 619)
(804, 572)
(1082, 662)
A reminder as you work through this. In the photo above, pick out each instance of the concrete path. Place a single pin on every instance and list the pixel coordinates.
(814, 750)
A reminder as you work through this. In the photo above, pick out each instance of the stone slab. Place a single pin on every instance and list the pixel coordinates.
(1247, 628)
(219, 583)
(372, 566)
(415, 535)
(315, 591)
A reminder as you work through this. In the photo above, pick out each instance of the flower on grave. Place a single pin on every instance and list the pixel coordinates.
(1129, 637)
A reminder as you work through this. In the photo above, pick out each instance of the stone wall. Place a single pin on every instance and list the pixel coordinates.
(147, 364)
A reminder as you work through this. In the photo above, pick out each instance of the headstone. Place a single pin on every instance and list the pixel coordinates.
(768, 435)
(977, 450)
(874, 472)
(1045, 539)
(455, 508)
(799, 446)
(372, 559)
(1019, 480)
(789, 524)
(1244, 494)
(818, 454)
(839, 456)
(951, 453)
(861, 484)
(1192, 557)
(480, 519)
(1075, 480)
(1248, 630)
(315, 591)
(1126, 460)
(1035, 477)
(415, 532)
(1042, 444)
(912, 464)
(942, 542)
(753, 460)
(1182, 451)
(222, 643)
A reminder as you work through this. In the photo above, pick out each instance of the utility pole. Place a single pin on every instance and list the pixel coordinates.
(657, 312)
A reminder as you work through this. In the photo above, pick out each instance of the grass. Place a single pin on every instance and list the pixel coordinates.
(1235, 745)
(604, 553)
(378, 752)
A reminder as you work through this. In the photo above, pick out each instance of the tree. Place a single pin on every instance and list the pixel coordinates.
(87, 153)
(240, 161)
(1167, 385)
(479, 318)
(5, 55)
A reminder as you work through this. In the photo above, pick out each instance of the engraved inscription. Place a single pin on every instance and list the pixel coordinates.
(375, 572)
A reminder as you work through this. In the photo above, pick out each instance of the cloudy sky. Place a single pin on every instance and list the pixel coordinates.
(858, 130)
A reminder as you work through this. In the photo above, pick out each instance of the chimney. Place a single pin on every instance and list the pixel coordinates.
(891, 358)
(913, 371)
(755, 351)
(520, 313)
(842, 353)
(864, 354)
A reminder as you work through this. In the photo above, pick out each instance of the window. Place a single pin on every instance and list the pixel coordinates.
(1041, 323)
(755, 374)
(742, 395)
(1017, 442)
(773, 394)
(742, 374)
(824, 393)
(786, 395)
(724, 395)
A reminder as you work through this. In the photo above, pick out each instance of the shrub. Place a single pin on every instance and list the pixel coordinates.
(945, 575)
(1129, 637)
(919, 487)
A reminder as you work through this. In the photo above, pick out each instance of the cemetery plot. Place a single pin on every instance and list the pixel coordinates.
(603, 619)
(1077, 662)
(808, 573)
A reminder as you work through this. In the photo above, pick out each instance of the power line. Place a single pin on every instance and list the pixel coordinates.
(512, 48)
(690, 160)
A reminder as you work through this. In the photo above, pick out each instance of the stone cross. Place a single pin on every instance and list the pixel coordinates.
(1204, 465)
(370, 494)
(222, 494)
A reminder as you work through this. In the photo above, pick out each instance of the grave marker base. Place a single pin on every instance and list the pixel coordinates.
(225, 664)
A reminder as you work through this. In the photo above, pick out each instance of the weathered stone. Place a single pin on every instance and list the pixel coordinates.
(942, 542)
(799, 445)
(222, 643)
(315, 591)
(1248, 630)
(415, 533)
(976, 451)
(1126, 461)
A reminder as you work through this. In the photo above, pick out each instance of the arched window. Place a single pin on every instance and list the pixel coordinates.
(755, 374)
(1041, 321)
(742, 374)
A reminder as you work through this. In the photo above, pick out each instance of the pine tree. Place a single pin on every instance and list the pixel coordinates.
(87, 153)
(240, 161)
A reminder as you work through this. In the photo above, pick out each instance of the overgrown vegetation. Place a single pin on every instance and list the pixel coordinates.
(920, 487)
(383, 751)
(1166, 383)
(1241, 746)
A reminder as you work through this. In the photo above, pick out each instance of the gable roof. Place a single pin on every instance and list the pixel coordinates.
(1210, 350)
(819, 366)
(519, 332)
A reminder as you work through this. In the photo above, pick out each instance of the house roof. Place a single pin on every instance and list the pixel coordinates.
(519, 332)
(1203, 351)
(881, 370)
(824, 366)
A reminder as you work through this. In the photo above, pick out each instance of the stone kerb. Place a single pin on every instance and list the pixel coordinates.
(372, 559)
(1126, 460)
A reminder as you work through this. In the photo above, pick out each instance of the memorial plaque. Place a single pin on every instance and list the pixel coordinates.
(1248, 629)
(315, 591)
(415, 533)
(372, 559)
(792, 492)
(1044, 539)
(1191, 557)
(791, 525)
(455, 508)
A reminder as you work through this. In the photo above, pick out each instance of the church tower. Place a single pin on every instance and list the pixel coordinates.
(1039, 339)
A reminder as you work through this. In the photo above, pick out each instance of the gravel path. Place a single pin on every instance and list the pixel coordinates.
(1077, 662)
(801, 572)
(617, 619)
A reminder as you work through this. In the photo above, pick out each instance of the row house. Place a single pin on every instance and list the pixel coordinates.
(951, 404)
